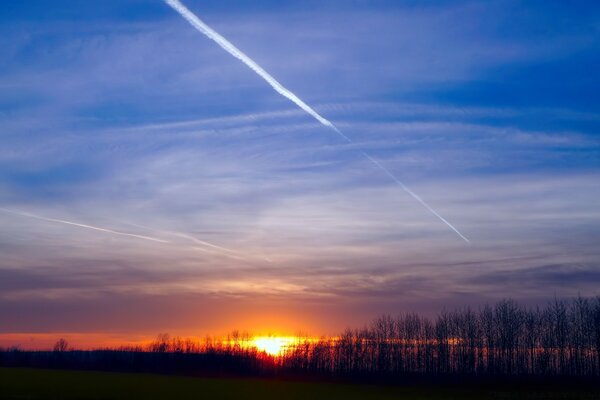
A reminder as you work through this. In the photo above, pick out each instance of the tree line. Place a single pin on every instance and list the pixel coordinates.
(506, 339)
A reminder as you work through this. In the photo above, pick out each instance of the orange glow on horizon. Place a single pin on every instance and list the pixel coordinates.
(273, 345)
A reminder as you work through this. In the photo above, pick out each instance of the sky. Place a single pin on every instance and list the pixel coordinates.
(212, 203)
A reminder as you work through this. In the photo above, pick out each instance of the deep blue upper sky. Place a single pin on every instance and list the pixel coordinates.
(119, 115)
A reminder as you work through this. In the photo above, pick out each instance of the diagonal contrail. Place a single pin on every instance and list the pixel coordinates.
(60, 221)
(203, 242)
(191, 238)
(211, 246)
(279, 88)
(414, 195)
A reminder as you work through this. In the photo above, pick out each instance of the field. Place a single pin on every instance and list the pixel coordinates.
(17, 383)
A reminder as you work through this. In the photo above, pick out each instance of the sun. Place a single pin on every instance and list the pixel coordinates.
(273, 345)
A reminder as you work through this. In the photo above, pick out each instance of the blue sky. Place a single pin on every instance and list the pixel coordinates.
(120, 115)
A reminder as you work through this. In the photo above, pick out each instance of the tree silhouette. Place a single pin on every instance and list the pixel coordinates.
(495, 341)
(61, 345)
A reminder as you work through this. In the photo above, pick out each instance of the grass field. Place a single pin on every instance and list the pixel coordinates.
(16, 383)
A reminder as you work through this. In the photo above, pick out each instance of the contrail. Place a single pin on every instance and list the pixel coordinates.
(224, 251)
(60, 221)
(189, 237)
(204, 243)
(414, 195)
(279, 88)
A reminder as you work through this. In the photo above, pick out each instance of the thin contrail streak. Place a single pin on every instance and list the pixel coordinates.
(189, 237)
(60, 221)
(415, 196)
(203, 242)
(279, 88)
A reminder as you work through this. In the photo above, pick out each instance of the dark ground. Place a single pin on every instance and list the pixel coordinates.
(23, 383)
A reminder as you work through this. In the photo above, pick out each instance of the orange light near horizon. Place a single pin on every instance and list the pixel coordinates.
(273, 345)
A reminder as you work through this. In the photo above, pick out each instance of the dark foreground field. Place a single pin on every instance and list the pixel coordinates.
(18, 383)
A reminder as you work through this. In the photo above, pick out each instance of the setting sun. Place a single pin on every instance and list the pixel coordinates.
(273, 345)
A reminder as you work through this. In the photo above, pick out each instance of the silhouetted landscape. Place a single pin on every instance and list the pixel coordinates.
(500, 342)
(504, 350)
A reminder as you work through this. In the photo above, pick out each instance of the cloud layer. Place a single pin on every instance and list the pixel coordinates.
(134, 124)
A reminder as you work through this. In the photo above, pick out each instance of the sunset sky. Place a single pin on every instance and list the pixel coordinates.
(212, 203)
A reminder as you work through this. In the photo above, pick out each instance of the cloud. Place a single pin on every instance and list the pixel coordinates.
(542, 279)
(141, 127)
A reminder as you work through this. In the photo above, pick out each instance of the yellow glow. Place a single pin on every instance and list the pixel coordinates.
(273, 345)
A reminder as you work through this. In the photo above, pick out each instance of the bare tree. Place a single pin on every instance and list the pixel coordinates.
(61, 345)
(161, 344)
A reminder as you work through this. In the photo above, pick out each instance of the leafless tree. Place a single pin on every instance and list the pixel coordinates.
(61, 346)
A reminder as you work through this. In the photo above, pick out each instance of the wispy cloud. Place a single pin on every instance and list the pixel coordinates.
(107, 122)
